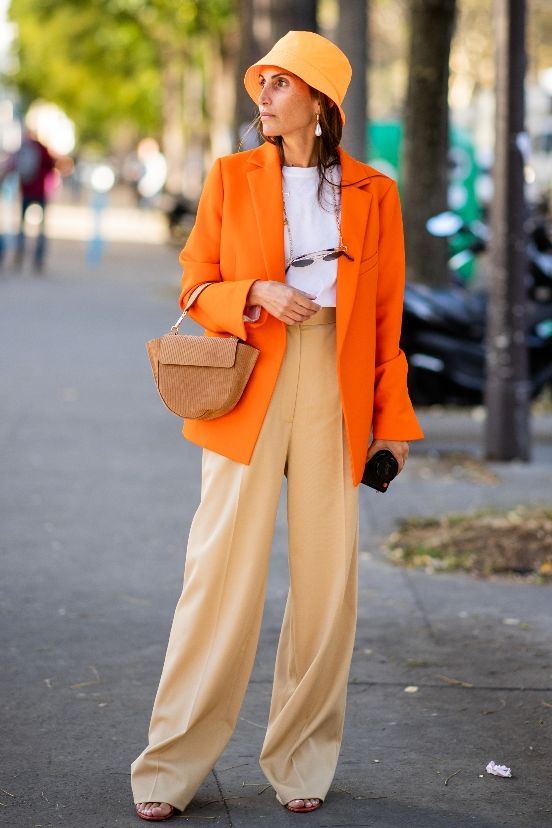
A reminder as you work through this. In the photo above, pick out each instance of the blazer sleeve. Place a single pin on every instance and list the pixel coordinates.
(394, 417)
(222, 307)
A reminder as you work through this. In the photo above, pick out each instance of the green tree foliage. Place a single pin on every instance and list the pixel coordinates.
(102, 61)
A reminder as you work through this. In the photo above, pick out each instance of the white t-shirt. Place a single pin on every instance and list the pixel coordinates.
(313, 228)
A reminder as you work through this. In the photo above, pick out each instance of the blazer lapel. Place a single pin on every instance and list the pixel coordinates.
(265, 185)
(355, 209)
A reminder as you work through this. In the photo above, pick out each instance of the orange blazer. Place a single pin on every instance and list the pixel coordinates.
(238, 237)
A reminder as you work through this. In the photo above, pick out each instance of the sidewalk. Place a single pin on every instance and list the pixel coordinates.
(99, 489)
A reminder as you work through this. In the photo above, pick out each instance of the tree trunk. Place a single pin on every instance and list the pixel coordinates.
(172, 85)
(425, 150)
(352, 37)
(248, 53)
(220, 91)
(285, 15)
(261, 24)
(507, 389)
(198, 151)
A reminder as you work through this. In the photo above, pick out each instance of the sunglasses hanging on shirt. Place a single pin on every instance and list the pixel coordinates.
(327, 255)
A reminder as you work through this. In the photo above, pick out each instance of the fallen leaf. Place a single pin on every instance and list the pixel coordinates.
(450, 680)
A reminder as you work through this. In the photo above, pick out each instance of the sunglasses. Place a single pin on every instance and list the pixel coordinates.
(326, 255)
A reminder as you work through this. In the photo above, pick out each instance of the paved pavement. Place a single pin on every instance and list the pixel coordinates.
(98, 490)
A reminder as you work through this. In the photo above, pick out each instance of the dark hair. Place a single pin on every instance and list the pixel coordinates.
(325, 146)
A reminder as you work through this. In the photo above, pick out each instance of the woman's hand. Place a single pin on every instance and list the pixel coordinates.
(399, 449)
(289, 304)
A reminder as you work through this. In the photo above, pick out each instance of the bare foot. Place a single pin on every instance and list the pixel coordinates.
(154, 809)
(303, 803)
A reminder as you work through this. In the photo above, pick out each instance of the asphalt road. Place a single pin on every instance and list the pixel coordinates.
(98, 489)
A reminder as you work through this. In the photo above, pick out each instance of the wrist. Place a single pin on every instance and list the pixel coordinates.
(255, 293)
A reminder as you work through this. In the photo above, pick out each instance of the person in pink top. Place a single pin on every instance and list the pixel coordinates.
(33, 164)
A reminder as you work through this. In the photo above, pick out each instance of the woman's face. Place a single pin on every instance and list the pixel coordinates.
(285, 102)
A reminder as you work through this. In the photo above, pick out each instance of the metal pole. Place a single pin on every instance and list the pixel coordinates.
(507, 392)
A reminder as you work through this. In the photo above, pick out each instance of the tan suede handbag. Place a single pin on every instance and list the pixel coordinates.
(200, 377)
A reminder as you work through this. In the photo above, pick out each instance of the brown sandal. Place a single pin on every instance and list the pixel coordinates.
(303, 808)
(152, 818)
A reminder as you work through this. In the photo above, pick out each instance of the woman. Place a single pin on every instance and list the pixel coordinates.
(304, 249)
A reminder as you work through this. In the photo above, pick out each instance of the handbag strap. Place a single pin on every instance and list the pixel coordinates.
(193, 296)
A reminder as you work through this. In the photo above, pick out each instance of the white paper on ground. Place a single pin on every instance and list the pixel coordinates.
(498, 770)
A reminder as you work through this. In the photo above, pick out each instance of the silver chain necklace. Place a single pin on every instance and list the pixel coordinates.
(337, 220)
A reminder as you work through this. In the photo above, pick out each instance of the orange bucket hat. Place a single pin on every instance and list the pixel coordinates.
(311, 57)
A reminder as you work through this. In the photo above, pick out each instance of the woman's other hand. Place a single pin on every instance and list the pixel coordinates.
(399, 449)
(289, 304)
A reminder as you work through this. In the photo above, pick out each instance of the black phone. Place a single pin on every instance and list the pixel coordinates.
(380, 470)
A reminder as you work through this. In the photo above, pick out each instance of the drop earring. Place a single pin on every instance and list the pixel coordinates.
(318, 128)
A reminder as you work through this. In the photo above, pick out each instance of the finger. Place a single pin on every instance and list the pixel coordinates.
(282, 311)
(290, 318)
(304, 293)
(299, 313)
(304, 299)
(304, 313)
(306, 303)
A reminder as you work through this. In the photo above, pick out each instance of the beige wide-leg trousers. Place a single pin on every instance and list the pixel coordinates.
(214, 635)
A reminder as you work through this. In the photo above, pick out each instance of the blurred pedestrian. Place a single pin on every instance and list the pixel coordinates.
(304, 248)
(33, 164)
(154, 171)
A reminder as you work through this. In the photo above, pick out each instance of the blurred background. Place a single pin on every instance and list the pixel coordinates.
(132, 100)
(137, 97)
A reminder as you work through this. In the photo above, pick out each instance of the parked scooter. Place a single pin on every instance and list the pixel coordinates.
(539, 253)
(473, 238)
(443, 334)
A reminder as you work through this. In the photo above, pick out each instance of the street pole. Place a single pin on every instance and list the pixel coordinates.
(507, 395)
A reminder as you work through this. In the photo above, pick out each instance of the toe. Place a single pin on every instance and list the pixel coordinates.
(153, 808)
(310, 802)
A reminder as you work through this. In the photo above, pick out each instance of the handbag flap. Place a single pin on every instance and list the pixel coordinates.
(186, 349)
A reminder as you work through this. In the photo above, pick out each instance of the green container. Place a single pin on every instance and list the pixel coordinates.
(385, 152)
